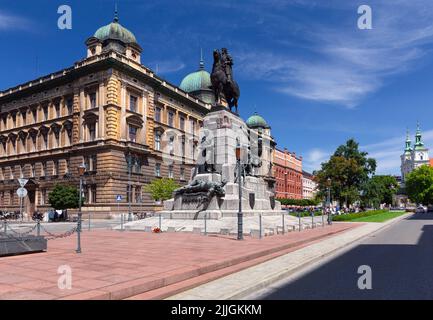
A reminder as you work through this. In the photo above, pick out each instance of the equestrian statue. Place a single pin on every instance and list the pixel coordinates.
(222, 79)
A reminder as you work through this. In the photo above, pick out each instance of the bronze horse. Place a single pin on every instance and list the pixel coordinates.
(221, 85)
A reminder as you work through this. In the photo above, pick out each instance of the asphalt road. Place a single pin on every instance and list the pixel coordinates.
(400, 258)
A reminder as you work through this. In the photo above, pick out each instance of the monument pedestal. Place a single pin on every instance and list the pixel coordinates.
(214, 191)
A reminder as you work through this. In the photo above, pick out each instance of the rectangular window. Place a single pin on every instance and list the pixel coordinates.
(157, 141)
(182, 123)
(92, 131)
(138, 194)
(24, 117)
(171, 145)
(182, 173)
(43, 196)
(158, 169)
(170, 172)
(93, 192)
(45, 111)
(132, 133)
(57, 108)
(14, 120)
(11, 175)
(91, 162)
(32, 171)
(158, 114)
(92, 99)
(35, 115)
(69, 105)
(192, 125)
(11, 197)
(133, 103)
(55, 168)
(44, 169)
(171, 119)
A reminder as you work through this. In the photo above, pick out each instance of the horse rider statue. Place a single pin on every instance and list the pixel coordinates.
(222, 79)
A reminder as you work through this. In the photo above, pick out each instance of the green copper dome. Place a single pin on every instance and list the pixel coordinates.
(115, 31)
(257, 121)
(196, 81)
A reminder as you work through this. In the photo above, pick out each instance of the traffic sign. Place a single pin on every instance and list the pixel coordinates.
(22, 192)
(118, 198)
(23, 182)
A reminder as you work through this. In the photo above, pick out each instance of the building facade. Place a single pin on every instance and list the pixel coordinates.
(108, 111)
(309, 186)
(287, 168)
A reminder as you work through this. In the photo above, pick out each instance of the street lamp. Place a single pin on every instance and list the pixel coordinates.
(240, 217)
(328, 187)
(129, 159)
(81, 170)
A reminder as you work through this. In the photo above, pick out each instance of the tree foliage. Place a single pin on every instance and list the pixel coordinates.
(379, 189)
(349, 170)
(162, 189)
(64, 197)
(419, 185)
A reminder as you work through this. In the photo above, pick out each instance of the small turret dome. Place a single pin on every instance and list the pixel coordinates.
(198, 83)
(115, 31)
(257, 121)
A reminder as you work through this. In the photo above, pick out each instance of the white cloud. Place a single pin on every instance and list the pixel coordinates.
(164, 67)
(314, 159)
(13, 22)
(343, 64)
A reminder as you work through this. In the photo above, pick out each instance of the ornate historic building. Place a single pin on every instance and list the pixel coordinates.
(309, 186)
(107, 111)
(287, 167)
(415, 156)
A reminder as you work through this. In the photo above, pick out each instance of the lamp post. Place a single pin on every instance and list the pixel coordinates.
(81, 170)
(240, 216)
(129, 160)
(328, 200)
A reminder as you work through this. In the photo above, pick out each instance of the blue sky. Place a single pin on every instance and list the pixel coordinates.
(302, 64)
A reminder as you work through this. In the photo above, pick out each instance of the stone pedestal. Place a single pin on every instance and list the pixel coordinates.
(221, 132)
(28, 244)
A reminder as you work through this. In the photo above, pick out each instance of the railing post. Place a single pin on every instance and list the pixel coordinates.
(205, 224)
(38, 229)
(121, 221)
(160, 222)
(299, 216)
(260, 226)
(5, 225)
(283, 222)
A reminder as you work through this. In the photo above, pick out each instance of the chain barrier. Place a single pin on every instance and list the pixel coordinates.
(21, 234)
(53, 236)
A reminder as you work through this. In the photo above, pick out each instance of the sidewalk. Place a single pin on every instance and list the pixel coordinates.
(118, 265)
(241, 284)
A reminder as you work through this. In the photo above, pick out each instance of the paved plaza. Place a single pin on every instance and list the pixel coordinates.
(119, 265)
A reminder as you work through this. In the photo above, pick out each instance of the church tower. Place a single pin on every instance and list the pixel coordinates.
(420, 154)
(406, 158)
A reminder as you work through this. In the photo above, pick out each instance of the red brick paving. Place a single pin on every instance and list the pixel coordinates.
(119, 265)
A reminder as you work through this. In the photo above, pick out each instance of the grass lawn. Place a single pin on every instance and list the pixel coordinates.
(380, 216)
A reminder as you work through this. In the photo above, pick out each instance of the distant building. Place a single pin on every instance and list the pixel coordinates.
(287, 168)
(309, 186)
(415, 156)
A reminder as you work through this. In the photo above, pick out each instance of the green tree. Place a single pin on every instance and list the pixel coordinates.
(162, 189)
(419, 185)
(64, 197)
(379, 189)
(349, 169)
